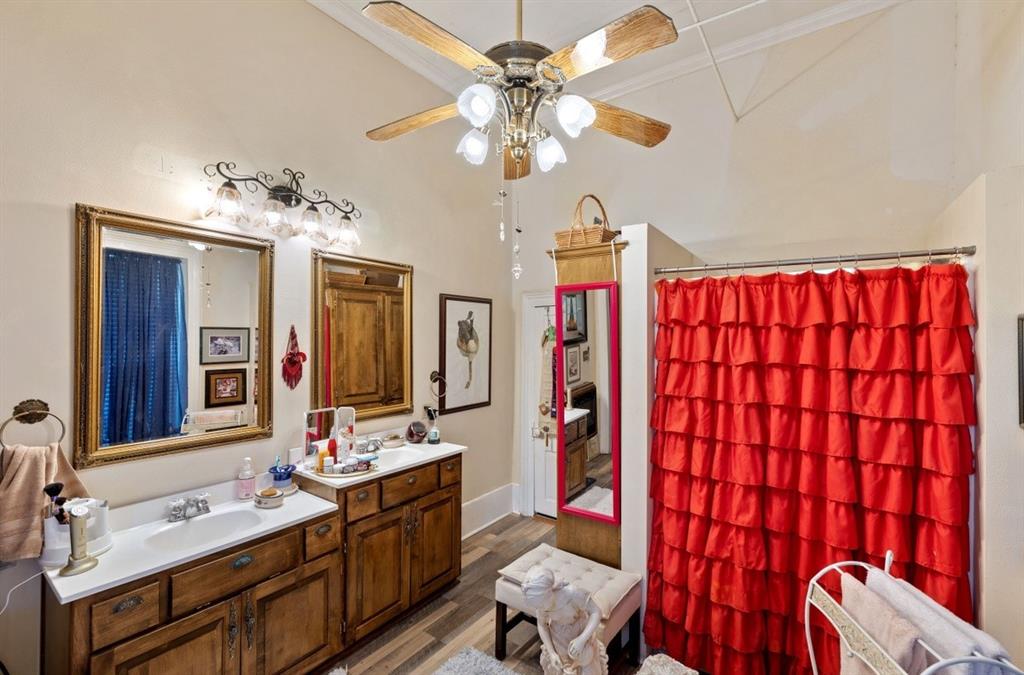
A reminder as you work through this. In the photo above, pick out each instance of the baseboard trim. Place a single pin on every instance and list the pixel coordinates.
(488, 509)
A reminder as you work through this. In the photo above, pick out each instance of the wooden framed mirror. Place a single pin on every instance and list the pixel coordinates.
(587, 374)
(362, 335)
(173, 331)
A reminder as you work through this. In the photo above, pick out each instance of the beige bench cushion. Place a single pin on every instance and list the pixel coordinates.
(608, 586)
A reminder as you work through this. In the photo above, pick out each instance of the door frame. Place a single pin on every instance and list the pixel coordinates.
(529, 301)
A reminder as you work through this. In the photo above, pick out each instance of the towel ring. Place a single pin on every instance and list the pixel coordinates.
(29, 412)
(436, 377)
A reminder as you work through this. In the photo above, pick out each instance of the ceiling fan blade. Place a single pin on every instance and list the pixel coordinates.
(639, 31)
(413, 122)
(514, 172)
(398, 17)
(627, 124)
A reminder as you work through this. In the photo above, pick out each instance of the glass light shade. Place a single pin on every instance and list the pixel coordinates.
(312, 222)
(477, 104)
(348, 236)
(574, 114)
(473, 146)
(549, 153)
(227, 204)
(274, 217)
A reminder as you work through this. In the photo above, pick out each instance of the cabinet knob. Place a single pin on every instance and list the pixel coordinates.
(450, 466)
(411, 480)
(323, 529)
(128, 603)
(242, 561)
(362, 495)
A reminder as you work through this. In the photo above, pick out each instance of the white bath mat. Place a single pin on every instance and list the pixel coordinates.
(472, 662)
(595, 498)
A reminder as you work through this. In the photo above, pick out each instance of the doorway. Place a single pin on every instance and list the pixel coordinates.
(538, 437)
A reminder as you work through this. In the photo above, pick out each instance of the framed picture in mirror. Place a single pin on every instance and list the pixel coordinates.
(574, 318)
(588, 418)
(143, 385)
(223, 345)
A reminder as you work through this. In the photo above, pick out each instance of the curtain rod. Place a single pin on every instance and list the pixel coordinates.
(837, 259)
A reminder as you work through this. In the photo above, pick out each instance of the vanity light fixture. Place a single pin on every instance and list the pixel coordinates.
(273, 216)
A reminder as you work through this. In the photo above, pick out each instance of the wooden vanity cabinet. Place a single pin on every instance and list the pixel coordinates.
(403, 541)
(575, 467)
(254, 608)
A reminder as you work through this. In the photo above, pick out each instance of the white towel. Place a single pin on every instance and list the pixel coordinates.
(893, 632)
(942, 630)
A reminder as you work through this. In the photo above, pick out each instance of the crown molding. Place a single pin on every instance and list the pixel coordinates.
(453, 79)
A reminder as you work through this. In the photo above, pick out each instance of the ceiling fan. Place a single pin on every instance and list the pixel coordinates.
(516, 79)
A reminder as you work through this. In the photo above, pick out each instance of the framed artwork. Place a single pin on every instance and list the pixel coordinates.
(223, 345)
(572, 364)
(574, 317)
(1020, 368)
(465, 353)
(225, 387)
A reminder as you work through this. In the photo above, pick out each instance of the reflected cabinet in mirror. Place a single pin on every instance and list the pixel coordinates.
(587, 365)
(362, 335)
(173, 337)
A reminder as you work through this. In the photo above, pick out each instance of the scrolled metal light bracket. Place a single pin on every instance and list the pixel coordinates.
(290, 193)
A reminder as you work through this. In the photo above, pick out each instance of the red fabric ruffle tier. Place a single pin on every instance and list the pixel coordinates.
(800, 421)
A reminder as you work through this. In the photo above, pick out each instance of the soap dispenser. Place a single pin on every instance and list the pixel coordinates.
(245, 486)
(434, 435)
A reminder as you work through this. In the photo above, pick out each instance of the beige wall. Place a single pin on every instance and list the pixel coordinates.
(990, 214)
(95, 93)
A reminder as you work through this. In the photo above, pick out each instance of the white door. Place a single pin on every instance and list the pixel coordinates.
(541, 439)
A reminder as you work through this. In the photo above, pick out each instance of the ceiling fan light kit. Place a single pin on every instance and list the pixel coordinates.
(518, 79)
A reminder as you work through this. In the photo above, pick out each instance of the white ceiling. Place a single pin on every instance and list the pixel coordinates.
(484, 23)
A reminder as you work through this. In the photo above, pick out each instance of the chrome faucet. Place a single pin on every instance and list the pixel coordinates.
(188, 507)
(374, 445)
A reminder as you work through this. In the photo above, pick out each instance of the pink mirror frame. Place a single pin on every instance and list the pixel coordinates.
(613, 403)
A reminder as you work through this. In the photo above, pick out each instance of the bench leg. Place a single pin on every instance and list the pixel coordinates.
(500, 629)
(634, 639)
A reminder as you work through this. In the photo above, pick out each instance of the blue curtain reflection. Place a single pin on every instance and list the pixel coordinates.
(145, 370)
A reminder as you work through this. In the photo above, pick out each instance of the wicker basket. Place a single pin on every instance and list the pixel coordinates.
(583, 235)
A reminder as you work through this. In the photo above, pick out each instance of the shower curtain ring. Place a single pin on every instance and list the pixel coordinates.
(705, 269)
(956, 255)
(899, 259)
(856, 261)
(929, 256)
(777, 263)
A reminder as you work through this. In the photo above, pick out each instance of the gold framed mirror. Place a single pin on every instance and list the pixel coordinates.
(362, 335)
(173, 333)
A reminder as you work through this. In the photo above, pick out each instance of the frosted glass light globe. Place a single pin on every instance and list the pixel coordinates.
(575, 113)
(477, 104)
(549, 153)
(473, 146)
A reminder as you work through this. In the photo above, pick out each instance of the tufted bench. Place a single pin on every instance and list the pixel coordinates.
(615, 592)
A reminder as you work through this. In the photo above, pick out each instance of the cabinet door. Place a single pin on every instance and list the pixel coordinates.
(377, 571)
(357, 346)
(205, 642)
(436, 554)
(394, 352)
(576, 467)
(292, 623)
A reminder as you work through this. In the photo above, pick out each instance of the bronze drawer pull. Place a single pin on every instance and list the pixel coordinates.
(128, 603)
(411, 480)
(450, 466)
(242, 561)
(323, 529)
(362, 495)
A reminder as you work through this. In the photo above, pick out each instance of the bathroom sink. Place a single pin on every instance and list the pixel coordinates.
(202, 529)
(397, 456)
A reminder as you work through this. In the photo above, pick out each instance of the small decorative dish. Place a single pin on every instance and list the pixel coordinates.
(392, 441)
(268, 498)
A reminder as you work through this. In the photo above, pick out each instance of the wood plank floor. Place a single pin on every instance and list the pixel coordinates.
(463, 616)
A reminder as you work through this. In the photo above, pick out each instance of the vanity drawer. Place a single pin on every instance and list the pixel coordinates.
(125, 615)
(451, 471)
(362, 501)
(581, 428)
(323, 537)
(409, 485)
(571, 432)
(230, 573)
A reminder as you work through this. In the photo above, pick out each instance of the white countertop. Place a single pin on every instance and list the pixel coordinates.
(571, 415)
(392, 461)
(134, 556)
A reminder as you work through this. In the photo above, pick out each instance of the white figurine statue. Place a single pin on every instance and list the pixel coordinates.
(567, 620)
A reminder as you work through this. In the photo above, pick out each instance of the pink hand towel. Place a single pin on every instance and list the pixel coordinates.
(22, 502)
(893, 633)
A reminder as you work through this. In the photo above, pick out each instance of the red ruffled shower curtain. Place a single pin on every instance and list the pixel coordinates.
(799, 421)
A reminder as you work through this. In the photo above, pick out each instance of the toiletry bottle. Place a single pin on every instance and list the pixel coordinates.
(434, 435)
(246, 483)
(321, 454)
